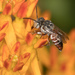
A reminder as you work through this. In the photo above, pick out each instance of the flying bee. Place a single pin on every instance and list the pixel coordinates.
(46, 27)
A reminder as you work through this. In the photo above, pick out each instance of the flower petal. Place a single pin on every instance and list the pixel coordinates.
(18, 67)
(25, 56)
(7, 10)
(17, 1)
(53, 56)
(10, 37)
(22, 60)
(17, 6)
(35, 69)
(31, 7)
(1, 63)
(5, 53)
(29, 38)
(43, 56)
(19, 27)
(40, 43)
(15, 48)
(63, 67)
(23, 10)
(2, 36)
(28, 27)
(7, 64)
(1, 5)
(3, 26)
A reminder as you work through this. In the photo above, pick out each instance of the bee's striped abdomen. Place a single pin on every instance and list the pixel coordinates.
(60, 46)
(57, 41)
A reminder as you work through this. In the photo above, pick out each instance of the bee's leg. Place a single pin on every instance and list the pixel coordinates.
(39, 33)
(48, 40)
(33, 31)
(42, 35)
(45, 36)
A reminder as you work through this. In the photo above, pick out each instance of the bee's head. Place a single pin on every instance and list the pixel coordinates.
(39, 22)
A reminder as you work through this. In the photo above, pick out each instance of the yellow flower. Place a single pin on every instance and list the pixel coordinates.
(17, 45)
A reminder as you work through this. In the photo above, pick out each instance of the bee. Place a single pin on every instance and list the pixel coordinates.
(46, 27)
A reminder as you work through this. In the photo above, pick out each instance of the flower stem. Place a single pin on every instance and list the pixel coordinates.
(35, 67)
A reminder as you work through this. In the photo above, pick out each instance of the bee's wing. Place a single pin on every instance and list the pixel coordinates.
(62, 34)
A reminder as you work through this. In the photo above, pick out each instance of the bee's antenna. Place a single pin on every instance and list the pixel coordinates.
(30, 18)
(36, 16)
(36, 13)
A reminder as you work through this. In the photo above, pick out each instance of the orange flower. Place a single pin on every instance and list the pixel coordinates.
(3, 27)
(23, 10)
(40, 43)
(29, 38)
(17, 6)
(1, 1)
(8, 9)
(8, 58)
(2, 36)
(18, 49)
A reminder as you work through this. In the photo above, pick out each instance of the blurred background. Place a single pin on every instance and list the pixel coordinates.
(62, 12)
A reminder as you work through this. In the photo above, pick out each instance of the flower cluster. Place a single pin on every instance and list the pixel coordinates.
(17, 45)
